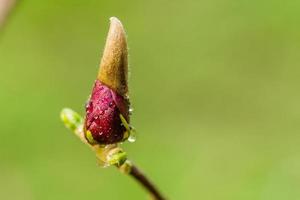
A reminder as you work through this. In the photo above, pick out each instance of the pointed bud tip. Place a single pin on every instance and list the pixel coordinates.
(115, 20)
(114, 67)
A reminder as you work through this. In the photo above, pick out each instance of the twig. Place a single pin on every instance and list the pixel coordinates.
(145, 182)
(109, 154)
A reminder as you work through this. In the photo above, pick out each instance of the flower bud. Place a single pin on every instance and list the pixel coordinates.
(109, 101)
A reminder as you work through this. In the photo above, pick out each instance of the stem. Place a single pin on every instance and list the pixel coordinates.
(111, 154)
(146, 183)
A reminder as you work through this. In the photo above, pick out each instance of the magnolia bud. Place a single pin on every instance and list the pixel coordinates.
(109, 101)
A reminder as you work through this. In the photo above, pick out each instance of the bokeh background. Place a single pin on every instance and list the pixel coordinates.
(214, 86)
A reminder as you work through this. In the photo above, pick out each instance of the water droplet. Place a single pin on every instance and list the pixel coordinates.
(97, 120)
(89, 107)
(130, 110)
(132, 136)
(111, 104)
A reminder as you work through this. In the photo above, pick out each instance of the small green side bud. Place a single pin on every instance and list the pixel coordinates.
(116, 157)
(71, 119)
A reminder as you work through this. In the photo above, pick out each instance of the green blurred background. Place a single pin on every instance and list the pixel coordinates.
(214, 86)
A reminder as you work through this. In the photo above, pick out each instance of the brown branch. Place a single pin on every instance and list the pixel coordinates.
(6, 7)
(145, 182)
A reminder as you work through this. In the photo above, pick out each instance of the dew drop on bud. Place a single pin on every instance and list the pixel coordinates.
(130, 110)
(89, 106)
(132, 136)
